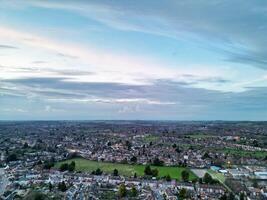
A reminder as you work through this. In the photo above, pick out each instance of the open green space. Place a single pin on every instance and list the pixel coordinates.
(125, 169)
(244, 153)
(200, 136)
(219, 176)
(240, 152)
(150, 138)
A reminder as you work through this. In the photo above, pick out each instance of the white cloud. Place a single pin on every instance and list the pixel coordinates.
(112, 101)
(105, 66)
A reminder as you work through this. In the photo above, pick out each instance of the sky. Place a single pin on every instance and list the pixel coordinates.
(133, 60)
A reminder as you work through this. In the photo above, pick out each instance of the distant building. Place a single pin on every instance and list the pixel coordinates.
(261, 175)
(215, 168)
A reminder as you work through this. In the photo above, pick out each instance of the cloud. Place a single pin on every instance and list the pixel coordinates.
(14, 110)
(3, 46)
(163, 99)
(67, 56)
(129, 109)
(230, 27)
(39, 62)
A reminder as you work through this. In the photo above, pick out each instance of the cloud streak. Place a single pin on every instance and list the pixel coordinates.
(3, 46)
(237, 25)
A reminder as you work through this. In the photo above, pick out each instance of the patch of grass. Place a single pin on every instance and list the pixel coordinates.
(200, 136)
(219, 176)
(150, 138)
(125, 169)
(244, 153)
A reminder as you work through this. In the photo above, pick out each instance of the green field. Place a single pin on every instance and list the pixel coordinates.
(244, 153)
(200, 136)
(219, 176)
(150, 138)
(124, 169)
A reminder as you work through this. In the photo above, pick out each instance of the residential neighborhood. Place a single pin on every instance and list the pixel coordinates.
(132, 160)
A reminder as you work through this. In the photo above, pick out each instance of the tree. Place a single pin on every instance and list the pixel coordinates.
(158, 162)
(133, 159)
(71, 166)
(178, 150)
(194, 180)
(241, 196)
(207, 178)
(62, 186)
(231, 196)
(223, 197)
(48, 165)
(25, 145)
(97, 172)
(255, 184)
(154, 172)
(255, 143)
(35, 195)
(64, 167)
(200, 181)
(135, 175)
(168, 178)
(185, 175)
(122, 190)
(50, 186)
(12, 157)
(115, 172)
(147, 170)
(134, 192)
(128, 144)
(39, 162)
(206, 155)
(182, 193)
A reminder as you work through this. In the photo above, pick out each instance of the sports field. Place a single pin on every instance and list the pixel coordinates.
(124, 169)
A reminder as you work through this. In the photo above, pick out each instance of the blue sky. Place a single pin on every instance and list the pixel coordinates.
(169, 60)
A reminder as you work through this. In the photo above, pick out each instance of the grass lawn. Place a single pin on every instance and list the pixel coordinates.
(150, 138)
(124, 169)
(244, 153)
(200, 135)
(219, 176)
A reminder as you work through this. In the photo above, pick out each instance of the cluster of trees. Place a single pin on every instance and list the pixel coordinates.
(115, 172)
(62, 186)
(12, 157)
(185, 175)
(158, 162)
(229, 196)
(48, 164)
(151, 172)
(97, 172)
(133, 159)
(177, 149)
(123, 192)
(35, 195)
(168, 178)
(182, 193)
(65, 166)
(208, 179)
(236, 186)
(128, 145)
